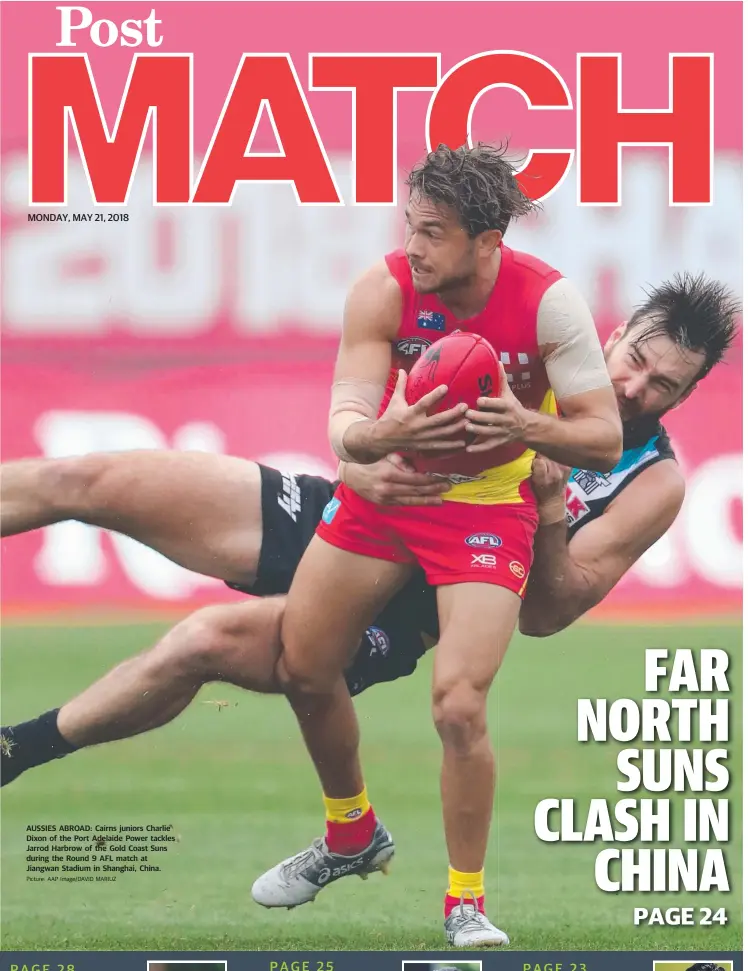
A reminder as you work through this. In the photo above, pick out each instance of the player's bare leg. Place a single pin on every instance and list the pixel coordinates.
(356, 588)
(353, 590)
(200, 510)
(238, 644)
(477, 621)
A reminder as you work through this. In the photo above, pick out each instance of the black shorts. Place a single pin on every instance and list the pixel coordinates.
(292, 507)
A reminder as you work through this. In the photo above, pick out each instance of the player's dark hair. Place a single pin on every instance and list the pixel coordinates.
(705, 967)
(478, 183)
(697, 313)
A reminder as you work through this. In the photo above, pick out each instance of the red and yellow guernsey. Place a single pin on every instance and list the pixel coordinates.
(509, 323)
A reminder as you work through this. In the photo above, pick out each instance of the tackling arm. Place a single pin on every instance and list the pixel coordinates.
(569, 578)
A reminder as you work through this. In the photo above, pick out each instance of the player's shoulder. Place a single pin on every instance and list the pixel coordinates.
(661, 486)
(375, 291)
(668, 479)
(532, 266)
(538, 285)
(562, 294)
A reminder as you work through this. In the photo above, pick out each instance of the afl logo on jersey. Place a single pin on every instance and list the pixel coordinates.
(412, 347)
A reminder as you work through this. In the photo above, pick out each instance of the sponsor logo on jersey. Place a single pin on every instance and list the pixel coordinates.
(515, 369)
(328, 513)
(589, 481)
(576, 507)
(483, 540)
(412, 346)
(455, 478)
(290, 498)
(431, 320)
(517, 569)
(380, 642)
(484, 559)
(604, 485)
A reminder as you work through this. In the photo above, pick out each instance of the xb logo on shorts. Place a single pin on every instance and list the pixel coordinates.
(484, 541)
(328, 513)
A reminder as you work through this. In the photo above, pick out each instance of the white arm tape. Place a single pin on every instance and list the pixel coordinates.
(353, 400)
(576, 362)
(339, 425)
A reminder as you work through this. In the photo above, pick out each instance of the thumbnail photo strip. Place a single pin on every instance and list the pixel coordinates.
(700, 965)
(443, 966)
(187, 966)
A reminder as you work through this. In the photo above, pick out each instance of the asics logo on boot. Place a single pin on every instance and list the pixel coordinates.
(326, 874)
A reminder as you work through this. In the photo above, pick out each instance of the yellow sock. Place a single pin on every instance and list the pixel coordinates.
(346, 810)
(465, 883)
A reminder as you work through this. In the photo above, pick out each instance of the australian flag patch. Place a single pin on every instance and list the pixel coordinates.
(431, 320)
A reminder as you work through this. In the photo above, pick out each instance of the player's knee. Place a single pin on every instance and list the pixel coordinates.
(459, 711)
(200, 647)
(299, 680)
(300, 671)
(236, 644)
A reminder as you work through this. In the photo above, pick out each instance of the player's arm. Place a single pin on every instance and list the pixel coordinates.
(393, 482)
(568, 578)
(371, 322)
(588, 433)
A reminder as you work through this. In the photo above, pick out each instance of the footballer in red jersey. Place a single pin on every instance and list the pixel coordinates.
(455, 272)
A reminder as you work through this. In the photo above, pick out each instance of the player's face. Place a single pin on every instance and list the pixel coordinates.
(652, 376)
(441, 254)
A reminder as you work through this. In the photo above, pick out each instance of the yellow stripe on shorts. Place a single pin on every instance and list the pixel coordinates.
(501, 484)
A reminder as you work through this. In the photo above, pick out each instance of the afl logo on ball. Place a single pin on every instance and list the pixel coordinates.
(412, 346)
(517, 569)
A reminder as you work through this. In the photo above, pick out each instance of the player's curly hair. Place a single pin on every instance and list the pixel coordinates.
(478, 183)
(705, 967)
(697, 313)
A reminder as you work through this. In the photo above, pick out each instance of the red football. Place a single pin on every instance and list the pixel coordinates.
(465, 362)
(468, 364)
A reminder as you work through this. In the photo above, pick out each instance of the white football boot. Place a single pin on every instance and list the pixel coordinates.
(467, 927)
(300, 878)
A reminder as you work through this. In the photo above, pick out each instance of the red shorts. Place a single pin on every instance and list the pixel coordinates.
(456, 542)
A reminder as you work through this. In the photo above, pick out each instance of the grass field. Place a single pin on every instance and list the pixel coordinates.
(235, 784)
